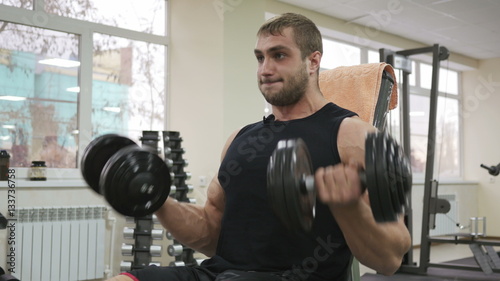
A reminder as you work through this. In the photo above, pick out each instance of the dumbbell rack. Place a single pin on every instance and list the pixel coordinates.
(143, 248)
(144, 233)
(172, 143)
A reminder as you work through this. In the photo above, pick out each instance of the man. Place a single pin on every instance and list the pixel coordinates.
(237, 227)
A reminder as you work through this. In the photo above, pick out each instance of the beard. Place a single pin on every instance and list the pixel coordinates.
(293, 90)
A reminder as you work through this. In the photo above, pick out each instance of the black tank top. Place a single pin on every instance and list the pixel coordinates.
(252, 238)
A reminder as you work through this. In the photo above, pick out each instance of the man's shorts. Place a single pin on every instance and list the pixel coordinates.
(155, 273)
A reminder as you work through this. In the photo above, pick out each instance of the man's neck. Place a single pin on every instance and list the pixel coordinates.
(307, 106)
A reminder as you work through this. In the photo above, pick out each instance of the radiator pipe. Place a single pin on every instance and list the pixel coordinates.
(109, 271)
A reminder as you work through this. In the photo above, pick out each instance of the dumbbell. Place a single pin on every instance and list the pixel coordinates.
(183, 175)
(131, 233)
(154, 219)
(172, 139)
(182, 263)
(171, 163)
(153, 250)
(175, 250)
(185, 188)
(128, 265)
(169, 150)
(135, 181)
(292, 194)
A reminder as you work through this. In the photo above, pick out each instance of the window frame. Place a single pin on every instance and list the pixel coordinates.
(85, 30)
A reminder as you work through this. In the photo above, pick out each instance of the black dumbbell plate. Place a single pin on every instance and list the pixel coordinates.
(135, 182)
(97, 153)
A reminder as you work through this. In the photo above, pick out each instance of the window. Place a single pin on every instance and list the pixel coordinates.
(27, 4)
(38, 109)
(145, 16)
(64, 80)
(339, 54)
(447, 153)
(128, 87)
(447, 144)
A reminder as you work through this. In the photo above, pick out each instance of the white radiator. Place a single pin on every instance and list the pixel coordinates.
(60, 243)
(447, 223)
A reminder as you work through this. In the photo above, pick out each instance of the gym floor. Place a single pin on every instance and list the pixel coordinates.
(439, 253)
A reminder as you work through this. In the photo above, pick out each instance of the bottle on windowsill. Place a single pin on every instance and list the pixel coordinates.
(37, 171)
(4, 165)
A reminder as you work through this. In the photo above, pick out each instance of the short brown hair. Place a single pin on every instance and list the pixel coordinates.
(306, 34)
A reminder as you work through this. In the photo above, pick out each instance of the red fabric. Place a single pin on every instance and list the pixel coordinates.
(130, 275)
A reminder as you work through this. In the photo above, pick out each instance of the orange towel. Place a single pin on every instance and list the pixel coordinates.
(357, 87)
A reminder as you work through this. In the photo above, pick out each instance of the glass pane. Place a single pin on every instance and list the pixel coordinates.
(27, 4)
(147, 16)
(419, 125)
(38, 109)
(447, 156)
(128, 90)
(448, 81)
(373, 56)
(413, 74)
(447, 138)
(425, 76)
(339, 54)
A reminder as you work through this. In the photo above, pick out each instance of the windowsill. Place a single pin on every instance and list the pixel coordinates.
(447, 182)
(63, 183)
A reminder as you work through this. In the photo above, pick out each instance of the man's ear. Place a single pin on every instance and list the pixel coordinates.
(315, 60)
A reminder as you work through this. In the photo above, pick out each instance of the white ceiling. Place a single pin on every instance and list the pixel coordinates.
(467, 27)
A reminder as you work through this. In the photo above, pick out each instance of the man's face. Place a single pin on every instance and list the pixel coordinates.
(282, 74)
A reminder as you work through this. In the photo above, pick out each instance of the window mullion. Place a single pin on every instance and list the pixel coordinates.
(85, 96)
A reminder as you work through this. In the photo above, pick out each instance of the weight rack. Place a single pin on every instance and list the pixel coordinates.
(143, 234)
(139, 239)
(174, 155)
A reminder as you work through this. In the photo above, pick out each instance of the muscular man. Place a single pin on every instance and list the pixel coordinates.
(237, 227)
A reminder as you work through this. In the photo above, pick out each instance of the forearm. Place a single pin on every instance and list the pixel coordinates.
(379, 246)
(190, 225)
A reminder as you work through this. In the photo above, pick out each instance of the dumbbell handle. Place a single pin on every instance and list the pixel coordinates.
(182, 263)
(171, 163)
(128, 265)
(186, 175)
(131, 233)
(169, 150)
(188, 188)
(153, 250)
(307, 183)
(168, 138)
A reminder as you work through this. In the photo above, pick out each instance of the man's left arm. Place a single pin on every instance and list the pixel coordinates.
(380, 246)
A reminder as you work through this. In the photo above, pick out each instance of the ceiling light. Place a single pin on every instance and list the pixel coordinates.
(60, 62)
(8, 126)
(73, 89)
(12, 98)
(112, 109)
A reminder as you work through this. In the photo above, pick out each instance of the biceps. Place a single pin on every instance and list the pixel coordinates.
(214, 206)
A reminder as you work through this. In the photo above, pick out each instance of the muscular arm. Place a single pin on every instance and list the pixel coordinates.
(193, 225)
(380, 246)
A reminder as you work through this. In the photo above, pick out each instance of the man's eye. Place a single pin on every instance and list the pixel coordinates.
(280, 56)
(260, 58)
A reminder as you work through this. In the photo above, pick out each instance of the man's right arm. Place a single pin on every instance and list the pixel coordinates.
(193, 225)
